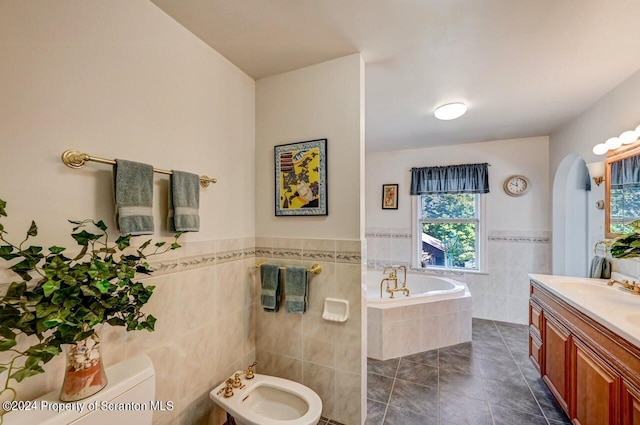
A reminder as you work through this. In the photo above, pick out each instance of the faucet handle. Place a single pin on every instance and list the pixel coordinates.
(227, 390)
(249, 372)
(237, 383)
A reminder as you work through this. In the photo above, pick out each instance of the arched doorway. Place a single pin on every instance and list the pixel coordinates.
(569, 218)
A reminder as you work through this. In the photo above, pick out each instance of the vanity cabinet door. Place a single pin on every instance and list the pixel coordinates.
(556, 352)
(535, 318)
(630, 404)
(594, 388)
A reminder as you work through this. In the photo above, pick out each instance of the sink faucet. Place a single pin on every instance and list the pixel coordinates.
(632, 287)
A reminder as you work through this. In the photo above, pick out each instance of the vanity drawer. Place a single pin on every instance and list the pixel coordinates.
(535, 318)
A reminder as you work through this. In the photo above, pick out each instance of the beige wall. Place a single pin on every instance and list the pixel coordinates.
(529, 157)
(324, 101)
(120, 79)
(321, 101)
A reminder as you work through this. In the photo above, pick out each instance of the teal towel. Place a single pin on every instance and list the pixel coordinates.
(133, 193)
(270, 282)
(184, 201)
(600, 268)
(295, 289)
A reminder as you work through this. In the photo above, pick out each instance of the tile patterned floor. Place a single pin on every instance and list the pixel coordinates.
(327, 421)
(489, 381)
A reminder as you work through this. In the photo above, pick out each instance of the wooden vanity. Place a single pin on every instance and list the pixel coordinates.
(584, 338)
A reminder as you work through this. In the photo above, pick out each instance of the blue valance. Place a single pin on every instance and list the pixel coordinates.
(465, 178)
(625, 173)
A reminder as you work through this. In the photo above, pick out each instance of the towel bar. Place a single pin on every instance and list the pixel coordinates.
(316, 268)
(76, 159)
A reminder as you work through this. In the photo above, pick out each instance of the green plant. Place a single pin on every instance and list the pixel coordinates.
(70, 296)
(627, 246)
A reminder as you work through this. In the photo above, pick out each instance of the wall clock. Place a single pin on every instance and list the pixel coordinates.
(516, 185)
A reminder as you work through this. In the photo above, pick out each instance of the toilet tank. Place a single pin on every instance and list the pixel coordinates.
(128, 399)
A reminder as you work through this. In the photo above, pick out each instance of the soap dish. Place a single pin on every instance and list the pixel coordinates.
(335, 310)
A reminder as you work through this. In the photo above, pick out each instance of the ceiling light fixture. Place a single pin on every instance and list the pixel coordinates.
(450, 111)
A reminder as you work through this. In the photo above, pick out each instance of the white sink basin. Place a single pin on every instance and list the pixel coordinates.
(269, 400)
(584, 287)
(630, 316)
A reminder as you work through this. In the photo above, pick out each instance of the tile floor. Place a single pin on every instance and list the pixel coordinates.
(489, 381)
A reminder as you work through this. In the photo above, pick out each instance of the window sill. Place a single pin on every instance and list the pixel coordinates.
(449, 272)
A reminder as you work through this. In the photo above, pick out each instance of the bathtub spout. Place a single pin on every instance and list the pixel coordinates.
(389, 290)
(393, 277)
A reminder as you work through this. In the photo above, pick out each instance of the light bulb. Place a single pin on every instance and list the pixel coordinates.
(629, 137)
(600, 149)
(450, 111)
(613, 143)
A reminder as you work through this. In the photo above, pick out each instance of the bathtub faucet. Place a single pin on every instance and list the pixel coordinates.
(393, 277)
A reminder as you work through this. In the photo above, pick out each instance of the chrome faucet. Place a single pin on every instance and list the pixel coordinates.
(393, 277)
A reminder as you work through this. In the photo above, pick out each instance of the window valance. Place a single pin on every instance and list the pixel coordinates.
(464, 178)
(625, 173)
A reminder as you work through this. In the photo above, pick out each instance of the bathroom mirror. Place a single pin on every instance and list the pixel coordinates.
(622, 189)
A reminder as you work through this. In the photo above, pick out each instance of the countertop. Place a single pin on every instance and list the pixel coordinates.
(611, 307)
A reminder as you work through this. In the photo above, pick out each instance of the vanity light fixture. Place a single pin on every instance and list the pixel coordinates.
(600, 149)
(450, 111)
(596, 171)
(613, 143)
(628, 137)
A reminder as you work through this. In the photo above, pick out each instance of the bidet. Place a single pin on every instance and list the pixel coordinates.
(269, 400)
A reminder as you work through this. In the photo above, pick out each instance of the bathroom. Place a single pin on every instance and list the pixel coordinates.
(123, 79)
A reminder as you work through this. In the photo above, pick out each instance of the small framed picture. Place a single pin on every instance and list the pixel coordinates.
(389, 196)
(301, 178)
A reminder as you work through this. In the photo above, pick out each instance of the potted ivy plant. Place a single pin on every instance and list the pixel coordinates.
(59, 300)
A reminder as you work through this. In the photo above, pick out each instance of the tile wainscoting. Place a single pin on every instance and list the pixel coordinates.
(328, 357)
(205, 330)
(210, 324)
(500, 294)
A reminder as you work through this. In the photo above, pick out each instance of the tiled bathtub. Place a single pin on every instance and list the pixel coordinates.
(436, 314)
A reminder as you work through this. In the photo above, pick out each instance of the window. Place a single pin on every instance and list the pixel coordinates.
(449, 231)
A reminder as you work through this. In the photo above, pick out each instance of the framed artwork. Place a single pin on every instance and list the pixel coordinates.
(301, 178)
(389, 196)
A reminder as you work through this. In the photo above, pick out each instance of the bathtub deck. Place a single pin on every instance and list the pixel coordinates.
(408, 329)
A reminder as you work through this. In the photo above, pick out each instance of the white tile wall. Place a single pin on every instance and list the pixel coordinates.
(503, 292)
(326, 356)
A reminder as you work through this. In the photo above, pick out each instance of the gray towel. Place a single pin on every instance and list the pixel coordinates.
(133, 193)
(600, 268)
(295, 289)
(270, 282)
(184, 201)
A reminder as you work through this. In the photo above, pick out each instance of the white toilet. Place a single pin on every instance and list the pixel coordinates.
(131, 381)
(269, 400)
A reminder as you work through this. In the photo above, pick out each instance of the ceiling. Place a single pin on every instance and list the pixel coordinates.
(524, 67)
